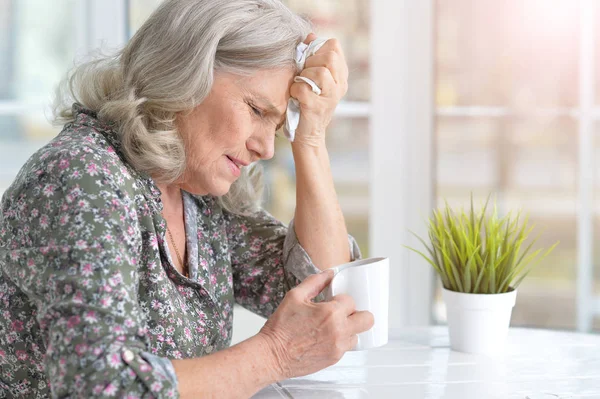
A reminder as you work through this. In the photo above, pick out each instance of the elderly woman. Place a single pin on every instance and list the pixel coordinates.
(125, 241)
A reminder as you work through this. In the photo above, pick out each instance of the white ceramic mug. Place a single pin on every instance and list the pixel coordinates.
(367, 282)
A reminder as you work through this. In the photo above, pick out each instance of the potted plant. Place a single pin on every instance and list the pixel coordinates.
(481, 259)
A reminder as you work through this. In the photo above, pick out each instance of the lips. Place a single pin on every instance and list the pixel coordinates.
(237, 162)
(234, 165)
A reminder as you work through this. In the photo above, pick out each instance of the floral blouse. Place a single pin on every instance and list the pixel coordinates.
(91, 303)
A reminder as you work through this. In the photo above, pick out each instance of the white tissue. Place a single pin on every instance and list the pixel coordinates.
(303, 51)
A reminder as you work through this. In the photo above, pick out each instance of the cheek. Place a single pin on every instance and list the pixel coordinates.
(233, 132)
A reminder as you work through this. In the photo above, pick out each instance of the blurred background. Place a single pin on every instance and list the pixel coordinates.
(515, 111)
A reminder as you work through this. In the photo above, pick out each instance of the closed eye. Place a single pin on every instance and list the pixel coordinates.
(256, 111)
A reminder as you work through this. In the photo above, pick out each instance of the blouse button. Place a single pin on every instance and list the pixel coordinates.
(127, 355)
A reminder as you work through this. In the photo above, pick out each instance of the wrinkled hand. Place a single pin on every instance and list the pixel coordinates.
(328, 69)
(305, 337)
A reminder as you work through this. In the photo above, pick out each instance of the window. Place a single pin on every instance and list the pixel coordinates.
(38, 41)
(509, 120)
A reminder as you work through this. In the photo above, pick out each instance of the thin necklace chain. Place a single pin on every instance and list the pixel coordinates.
(183, 268)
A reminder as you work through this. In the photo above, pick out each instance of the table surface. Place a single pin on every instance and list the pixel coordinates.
(418, 363)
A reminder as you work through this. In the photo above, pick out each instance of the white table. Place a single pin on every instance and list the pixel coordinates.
(418, 363)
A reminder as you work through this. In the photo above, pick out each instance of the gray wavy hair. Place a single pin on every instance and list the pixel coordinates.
(168, 68)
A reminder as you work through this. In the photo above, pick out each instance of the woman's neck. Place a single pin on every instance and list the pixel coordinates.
(172, 199)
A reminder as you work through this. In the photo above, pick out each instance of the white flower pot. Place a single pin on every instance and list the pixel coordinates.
(478, 323)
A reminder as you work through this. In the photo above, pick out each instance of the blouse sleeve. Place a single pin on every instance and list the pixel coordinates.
(70, 242)
(267, 260)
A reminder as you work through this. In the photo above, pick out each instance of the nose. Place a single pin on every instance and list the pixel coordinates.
(263, 144)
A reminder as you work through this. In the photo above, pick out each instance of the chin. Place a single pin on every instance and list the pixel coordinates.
(219, 189)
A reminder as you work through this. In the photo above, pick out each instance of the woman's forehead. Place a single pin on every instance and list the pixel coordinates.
(268, 86)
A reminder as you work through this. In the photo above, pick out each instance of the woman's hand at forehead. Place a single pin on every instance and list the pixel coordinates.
(328, 69)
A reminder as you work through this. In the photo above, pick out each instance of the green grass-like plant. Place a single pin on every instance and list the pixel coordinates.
(478, 253)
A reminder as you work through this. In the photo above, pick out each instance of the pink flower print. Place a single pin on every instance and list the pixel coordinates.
(22, 355)
(98, 389)
(129, 323)
(160, 338)
(73, 321)
(270, 246)
(86, 270)
(204, 340)
(106, 301)
(110, 390)
(64, 219)
(145, 368)
(80, 349)
(213, 279)
(264, 299)
(17, 326)
(63, 164)
(115, 280)
(204, 264)
(92, 169)
(114, 360)
(156, 386)
(255, 271)
(187, 333)
(48, 190)
(44, 222)
(81, 244)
